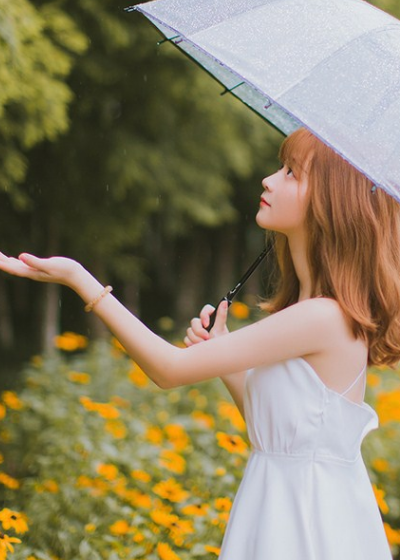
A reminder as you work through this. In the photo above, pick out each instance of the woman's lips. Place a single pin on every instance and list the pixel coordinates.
(264, 203)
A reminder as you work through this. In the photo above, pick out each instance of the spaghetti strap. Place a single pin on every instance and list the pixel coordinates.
(356, 381)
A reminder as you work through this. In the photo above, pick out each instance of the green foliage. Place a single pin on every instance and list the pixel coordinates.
(36, 53)
(76, 460)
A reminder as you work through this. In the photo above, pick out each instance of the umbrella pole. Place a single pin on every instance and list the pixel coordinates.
(232, 293)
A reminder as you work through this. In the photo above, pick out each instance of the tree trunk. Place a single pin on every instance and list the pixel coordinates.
(132, 297)
(192, 272)
(7, 335)
(224, 275)
(51, 315)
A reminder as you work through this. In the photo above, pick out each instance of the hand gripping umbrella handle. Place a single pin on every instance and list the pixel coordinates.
(232, 293)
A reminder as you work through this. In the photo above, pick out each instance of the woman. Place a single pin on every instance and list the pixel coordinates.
(298, 375)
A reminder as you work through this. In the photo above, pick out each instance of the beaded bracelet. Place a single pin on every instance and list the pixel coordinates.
(95, 301)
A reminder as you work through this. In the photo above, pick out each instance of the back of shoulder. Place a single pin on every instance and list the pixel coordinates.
(326, 313)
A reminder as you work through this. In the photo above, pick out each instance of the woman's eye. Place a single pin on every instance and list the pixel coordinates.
(289, 171)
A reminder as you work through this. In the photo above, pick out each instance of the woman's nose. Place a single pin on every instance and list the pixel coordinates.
(265, 184)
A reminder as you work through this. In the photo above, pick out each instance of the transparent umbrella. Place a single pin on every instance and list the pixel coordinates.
(332, 66)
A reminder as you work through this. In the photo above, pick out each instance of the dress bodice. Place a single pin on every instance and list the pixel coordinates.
(290, 411)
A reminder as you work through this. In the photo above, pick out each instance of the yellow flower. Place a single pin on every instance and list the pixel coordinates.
(107, 471)
(116, 428)
(79, 377)
(165, 552)
(388, 406)
(48, 486)
(177, 435)
(138, 377)
(9, 481)
(213, 549)
(2, 411)
(120, 527)
(163, 518)
(179, 529)
(13, 520)
(117, 345)
(240, 310)
(381, 465)
(198, 510)
(170, 490)
(373, 380)
(69, 342)
(138, 499)
(223, 517)
(119, 401)
(201, 401)
(87, 403)
(203, 419)
(380, 498)
(140, 475)
(138, 537)
(232, 443)
(107, 411)
(172, 461)
(162, 416)
(223, 504)
(97, 486)
(220, 471)
(154, 435)
(193, 394)
(392, 535)
(90, 527)
(11, 400)
(231, 412)
(6, 544)
(174, 396)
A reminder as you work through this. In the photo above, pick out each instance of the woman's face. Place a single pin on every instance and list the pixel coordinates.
(283, 202)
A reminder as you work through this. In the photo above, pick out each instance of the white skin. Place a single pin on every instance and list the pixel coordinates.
(315, 328)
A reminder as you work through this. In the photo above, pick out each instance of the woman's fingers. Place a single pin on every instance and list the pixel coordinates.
(15, 266)
(205, 315)
(221, 318)
(53, 269)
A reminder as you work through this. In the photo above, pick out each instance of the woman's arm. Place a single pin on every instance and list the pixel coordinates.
(197, 332)
(302, 329)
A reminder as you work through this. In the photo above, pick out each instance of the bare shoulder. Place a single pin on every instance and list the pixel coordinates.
(328, 312)
(319, 311)
(319, 319)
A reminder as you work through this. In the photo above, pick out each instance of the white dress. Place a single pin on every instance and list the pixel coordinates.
(305, 494)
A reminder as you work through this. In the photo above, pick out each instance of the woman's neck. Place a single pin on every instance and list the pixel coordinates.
(297, 245)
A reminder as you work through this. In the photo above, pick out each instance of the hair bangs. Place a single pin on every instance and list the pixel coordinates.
(297, 151)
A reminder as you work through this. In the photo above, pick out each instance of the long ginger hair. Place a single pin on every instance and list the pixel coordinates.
(353, 246)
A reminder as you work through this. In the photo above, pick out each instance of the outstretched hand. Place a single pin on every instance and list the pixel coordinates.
(58, 270)
(197, 331)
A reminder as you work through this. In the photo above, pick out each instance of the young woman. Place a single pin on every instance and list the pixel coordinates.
(298, 375)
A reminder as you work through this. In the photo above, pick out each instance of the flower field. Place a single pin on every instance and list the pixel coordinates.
(99, 463)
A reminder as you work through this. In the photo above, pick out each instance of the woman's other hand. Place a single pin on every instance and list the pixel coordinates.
(197, 332)
(58, 270)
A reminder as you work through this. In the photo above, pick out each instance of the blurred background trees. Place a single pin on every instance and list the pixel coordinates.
(121, 154)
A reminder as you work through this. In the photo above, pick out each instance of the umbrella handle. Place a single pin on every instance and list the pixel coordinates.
(213, 315)
(232, 293)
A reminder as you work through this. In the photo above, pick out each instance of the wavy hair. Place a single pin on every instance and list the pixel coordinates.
(353, 246)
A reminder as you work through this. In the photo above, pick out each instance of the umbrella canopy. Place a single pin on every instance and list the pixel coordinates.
(332, 66)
